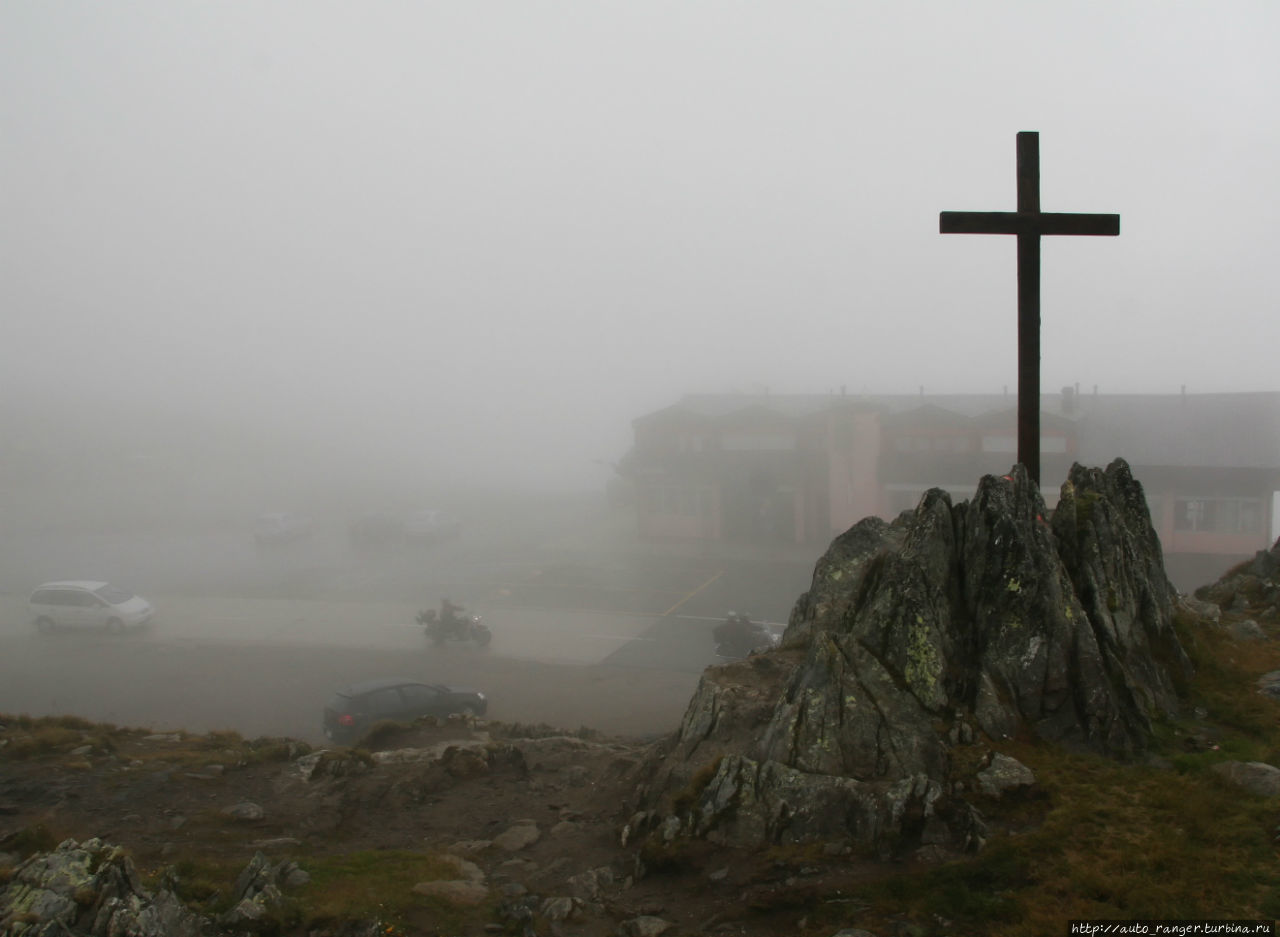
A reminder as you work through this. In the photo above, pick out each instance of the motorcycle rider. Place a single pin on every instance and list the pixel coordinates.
(451, 621)
(736, 632)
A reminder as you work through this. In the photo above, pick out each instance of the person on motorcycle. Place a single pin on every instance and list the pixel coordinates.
(735, 631)
(450, 619)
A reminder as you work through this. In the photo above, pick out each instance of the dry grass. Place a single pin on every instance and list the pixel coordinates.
(376, 885)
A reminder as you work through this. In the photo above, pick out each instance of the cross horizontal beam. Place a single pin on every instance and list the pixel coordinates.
(1031, 222)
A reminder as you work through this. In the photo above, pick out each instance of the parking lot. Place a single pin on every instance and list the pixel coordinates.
(590, 627)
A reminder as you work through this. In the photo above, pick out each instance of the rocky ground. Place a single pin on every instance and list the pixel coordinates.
(537, 826)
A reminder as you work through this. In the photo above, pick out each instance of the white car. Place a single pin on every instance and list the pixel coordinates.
(86, 604)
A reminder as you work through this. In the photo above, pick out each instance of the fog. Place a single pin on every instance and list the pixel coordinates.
(313, 246)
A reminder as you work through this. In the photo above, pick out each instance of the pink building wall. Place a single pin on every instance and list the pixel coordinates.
(853, 462)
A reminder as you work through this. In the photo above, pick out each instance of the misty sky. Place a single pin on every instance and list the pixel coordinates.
(516, 226)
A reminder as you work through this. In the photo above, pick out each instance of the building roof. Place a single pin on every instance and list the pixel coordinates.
(1232, 430)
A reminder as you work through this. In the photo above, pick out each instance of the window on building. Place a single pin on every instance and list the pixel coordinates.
(1218, 515)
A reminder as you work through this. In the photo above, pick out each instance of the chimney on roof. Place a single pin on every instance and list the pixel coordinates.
(1068, 400)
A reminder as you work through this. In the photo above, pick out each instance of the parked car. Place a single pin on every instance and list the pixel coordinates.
(431, 526)
(353, 709)
(281, 528)
(89, 605)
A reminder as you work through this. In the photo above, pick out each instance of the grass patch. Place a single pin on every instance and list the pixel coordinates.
(377, 885)
(202, 881)
(540, 730)
(1117, 841)
(687, 797)
(268, 749)
(39, 741)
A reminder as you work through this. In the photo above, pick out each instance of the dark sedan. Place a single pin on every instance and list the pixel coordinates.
(353, 709)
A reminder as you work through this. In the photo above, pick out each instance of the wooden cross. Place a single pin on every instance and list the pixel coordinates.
(1028, 223)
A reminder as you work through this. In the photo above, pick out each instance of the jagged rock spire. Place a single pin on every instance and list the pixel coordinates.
(991, 613)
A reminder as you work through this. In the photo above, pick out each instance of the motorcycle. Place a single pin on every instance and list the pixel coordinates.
(738, 637)
(465, 628)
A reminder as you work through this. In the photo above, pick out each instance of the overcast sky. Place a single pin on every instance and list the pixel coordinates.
(517, 226)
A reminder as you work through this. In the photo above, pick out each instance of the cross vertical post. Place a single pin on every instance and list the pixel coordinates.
(1029, 308)
(1029, 224)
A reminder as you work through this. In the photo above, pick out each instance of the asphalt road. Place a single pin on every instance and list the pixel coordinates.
(590, 628)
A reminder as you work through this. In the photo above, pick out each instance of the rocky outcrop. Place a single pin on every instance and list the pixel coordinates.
(991, 614)
(1252, 587)
(89, 889)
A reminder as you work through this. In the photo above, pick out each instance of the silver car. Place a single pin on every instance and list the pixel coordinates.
(86, 604)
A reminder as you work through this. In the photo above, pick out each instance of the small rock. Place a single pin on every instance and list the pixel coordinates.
(296, 878)
(1269, 684)
(670, 828)
(587, 885)
(1256, 777)
(82, 750)
(468, 871)
(245, 810)
(1207, 611)
(514, 838)
(719, 875)
(1247, 630)
(246, 910)
(560, 908)
(645, 926)
(1004, 774)
(513, 890)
